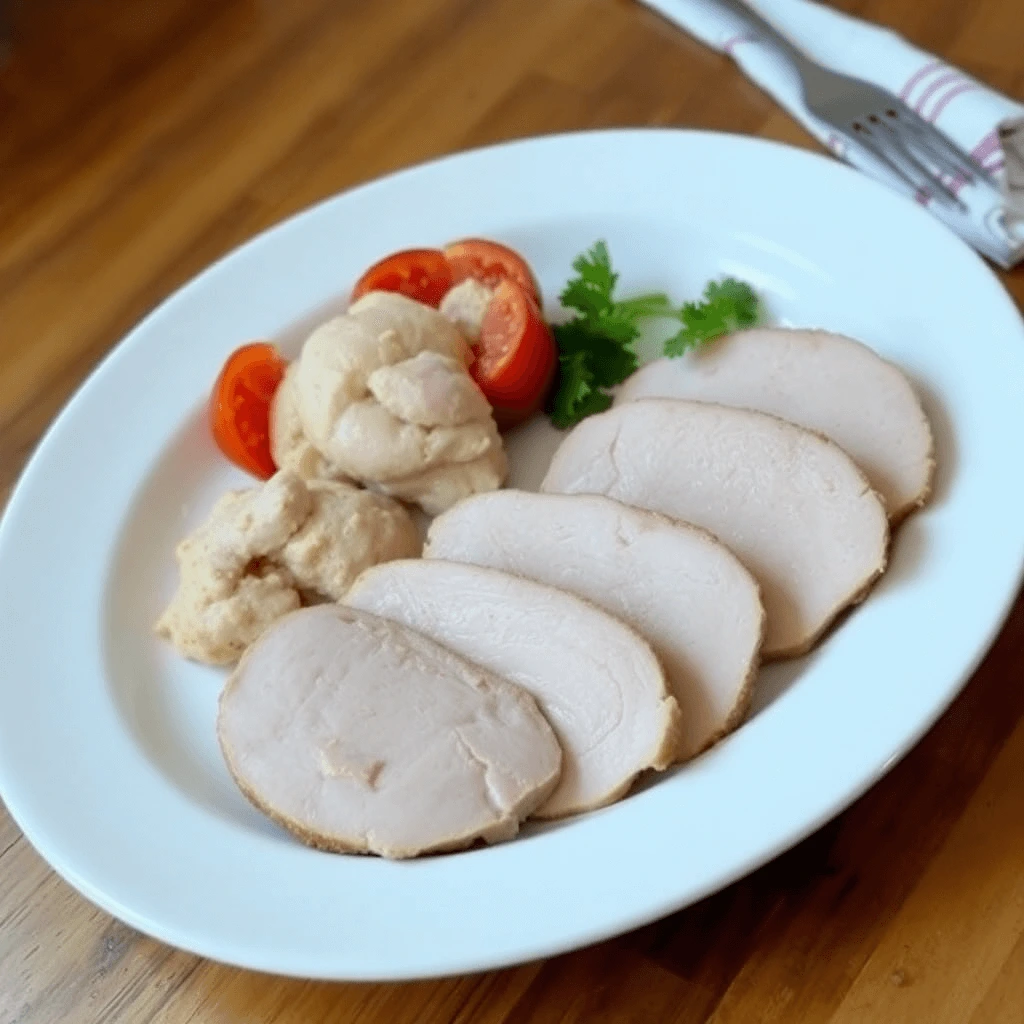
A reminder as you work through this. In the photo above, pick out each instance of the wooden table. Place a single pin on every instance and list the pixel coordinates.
(139, 141)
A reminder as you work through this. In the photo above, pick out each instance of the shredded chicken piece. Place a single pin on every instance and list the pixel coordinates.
(466, 305)
(383, 395)
(268, 550)
(437, 490)
(289, 446)
(430, 390)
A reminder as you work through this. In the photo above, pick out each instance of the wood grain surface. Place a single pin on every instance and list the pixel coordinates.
(140, 139)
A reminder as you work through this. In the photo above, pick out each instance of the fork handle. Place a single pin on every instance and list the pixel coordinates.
(764, 31)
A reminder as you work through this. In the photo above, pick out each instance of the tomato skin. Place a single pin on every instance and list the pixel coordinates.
(490, 263)
(516, 355)
(240, 407)
(420, 274)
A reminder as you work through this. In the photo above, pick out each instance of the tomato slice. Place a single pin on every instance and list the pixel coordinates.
(491, 263)
(240, 407)
(516, 355)
(421, 274)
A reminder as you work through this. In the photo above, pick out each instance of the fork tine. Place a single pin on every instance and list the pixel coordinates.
(928, 147)
(872, 147)
(943, 161)
(930, 138)
(902, 151)
(889, 147)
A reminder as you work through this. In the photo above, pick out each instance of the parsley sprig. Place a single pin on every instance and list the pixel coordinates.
(595, 347)
(728, 305)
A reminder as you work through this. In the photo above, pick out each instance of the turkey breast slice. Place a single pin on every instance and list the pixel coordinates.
(792, 506)
(359, 735)
(821, 381)
(699, 608)
(596, 680)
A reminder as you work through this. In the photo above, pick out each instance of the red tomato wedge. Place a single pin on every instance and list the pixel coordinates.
(421, 274)
(490, 263)
(516, 355)
(240, 407)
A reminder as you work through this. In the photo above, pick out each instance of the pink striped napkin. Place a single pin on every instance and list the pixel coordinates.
(979, 120)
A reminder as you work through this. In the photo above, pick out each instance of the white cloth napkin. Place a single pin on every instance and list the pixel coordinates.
(979, 120)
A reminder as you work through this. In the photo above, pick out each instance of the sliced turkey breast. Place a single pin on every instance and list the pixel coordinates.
(675, 584)
(596, 680)
(791, 505)
(825, 382)
(359, 735)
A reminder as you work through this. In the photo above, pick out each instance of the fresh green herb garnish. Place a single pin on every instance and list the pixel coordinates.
(578, 395)
(595, 348)
(728, 305)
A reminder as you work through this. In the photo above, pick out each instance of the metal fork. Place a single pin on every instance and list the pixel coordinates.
(913, 152)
